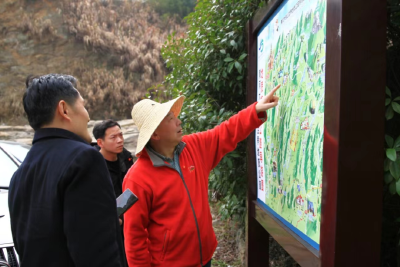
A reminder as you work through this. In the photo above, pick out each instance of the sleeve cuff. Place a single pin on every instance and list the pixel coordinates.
(262, 116)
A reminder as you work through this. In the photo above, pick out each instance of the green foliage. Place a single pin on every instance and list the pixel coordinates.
(393, 33)
(208, 67)
(173, 7)
(390, 255)
(392, 105)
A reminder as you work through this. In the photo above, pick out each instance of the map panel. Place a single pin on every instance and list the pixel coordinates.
(289, 146)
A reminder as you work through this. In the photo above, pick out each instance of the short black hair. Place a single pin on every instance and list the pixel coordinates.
(99, 130)
(42, 95)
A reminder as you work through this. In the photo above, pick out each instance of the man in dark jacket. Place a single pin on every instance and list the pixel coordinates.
(110, 143)
(62, 205)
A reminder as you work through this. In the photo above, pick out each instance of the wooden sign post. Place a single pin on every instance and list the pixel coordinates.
(315, 168)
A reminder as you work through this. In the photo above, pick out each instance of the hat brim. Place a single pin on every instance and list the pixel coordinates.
(151, 124)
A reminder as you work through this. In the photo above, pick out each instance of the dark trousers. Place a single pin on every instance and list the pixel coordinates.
(208, 264)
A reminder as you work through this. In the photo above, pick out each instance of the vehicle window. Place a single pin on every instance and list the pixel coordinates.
(8, 167)
(17, 151)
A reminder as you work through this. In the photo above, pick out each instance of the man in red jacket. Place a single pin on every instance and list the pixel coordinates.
(171, 223)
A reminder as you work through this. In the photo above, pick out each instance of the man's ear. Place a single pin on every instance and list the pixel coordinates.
(100, 142)
(155, 136)
(63, 110)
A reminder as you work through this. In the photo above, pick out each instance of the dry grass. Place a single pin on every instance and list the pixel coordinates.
(38, 28)
(120, 42)
(131, 30)
(227, 252)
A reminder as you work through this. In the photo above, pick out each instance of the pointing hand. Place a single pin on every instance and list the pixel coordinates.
(268, 101)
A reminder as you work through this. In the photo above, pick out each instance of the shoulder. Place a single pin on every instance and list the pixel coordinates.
(138, 168)
(141, 171)
(80, 154)
(126, 158)
(126, 154)
(141, 174)
(62, 151)
(82, 150)
(189, 139)
(90, 155)
(193, 141)
(68, 145)
(86, 164)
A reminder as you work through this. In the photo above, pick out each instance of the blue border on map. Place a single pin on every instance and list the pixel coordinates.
(290, 226)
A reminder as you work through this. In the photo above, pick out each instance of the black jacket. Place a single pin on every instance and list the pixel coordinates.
(62, 205)
(125, 161)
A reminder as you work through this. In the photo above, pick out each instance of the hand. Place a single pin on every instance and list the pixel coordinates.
(120, 222)
(268, 101)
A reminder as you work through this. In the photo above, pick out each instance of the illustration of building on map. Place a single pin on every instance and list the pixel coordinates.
(305, 125)
(299, 200)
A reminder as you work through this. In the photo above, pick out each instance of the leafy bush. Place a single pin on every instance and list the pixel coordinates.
(390, 251)
(209, 66)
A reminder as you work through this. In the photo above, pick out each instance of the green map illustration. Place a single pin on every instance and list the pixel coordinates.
(292, 138)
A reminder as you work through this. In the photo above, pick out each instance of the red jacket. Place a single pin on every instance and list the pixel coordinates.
(161, 228)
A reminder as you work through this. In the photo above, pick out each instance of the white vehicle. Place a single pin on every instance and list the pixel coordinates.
(11, 156)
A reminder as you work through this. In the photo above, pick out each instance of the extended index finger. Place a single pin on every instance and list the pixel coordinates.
(272, 92)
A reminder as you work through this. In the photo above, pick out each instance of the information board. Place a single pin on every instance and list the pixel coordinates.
(291, 48)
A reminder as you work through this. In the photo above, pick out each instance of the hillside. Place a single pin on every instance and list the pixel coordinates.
(111, 46)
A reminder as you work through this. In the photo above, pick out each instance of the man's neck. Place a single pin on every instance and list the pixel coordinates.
(164, 150)
(109, 156)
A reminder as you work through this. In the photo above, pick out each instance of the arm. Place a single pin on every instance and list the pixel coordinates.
(90, 213)
(216, 143)
(136, 220)
(222, 139)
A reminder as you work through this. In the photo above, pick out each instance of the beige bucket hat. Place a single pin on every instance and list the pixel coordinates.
(148, 114)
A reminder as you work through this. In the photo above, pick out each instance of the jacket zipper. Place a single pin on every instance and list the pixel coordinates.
(164, 247)
(165, 238)
(191, 205)
(195, 219)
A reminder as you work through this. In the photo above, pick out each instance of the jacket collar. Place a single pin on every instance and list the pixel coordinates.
(159, 160)
(46, 133)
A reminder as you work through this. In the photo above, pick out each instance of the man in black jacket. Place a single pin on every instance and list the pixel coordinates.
(62, 205)
(110, 143)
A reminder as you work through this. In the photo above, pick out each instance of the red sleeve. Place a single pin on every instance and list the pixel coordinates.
(216, 143)
(136, 220)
